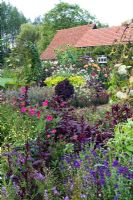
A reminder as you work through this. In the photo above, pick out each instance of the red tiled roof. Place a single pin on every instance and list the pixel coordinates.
(85, 36)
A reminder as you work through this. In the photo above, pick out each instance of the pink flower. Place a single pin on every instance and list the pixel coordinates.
(23, 90)
(60, 136)
(53, 131)
(75, 137)
(93, 74)
(48, 136)
(22, 104)
(105, 75)
(38, 114)
(45, 103)
(31, 112)
(23, 110)
(49, 118)
(62, 104)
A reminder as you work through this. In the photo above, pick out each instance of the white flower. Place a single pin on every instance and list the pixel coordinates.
(122, 70)
(128, 67)
(117, 65)
(121, 95)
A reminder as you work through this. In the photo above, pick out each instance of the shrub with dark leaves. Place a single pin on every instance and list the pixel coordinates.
(99, 98)
(118, 113)
(64, 89)
(71, 130)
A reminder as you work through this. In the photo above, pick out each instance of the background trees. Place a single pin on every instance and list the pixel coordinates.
(64, 15)
(21, 42)
(10, 22)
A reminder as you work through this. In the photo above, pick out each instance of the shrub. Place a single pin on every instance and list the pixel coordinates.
(119, 113)
(99, 98)
(123, 138)
(39, 94)
(96, 174)
(25, 175)
(52, 81)
(78, 131)
(120, 83)
(74, 80)
(14, 125)
(64, 89)
(81, 97)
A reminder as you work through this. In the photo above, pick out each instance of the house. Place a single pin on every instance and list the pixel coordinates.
(88, 36)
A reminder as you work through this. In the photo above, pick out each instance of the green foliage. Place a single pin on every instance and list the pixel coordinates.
(28, 33)
(68, 57)
(25, 62)
(74, 80)
(46, 32)
(120, 82)
(39, 94)
(123, 138)
(14, 125)
(81, 97)
(10, 22)
(7, 81)
(63, 15)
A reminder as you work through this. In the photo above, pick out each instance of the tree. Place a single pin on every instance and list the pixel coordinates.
(10, 22)
(24, 56)
(28, 33)
(64, 15)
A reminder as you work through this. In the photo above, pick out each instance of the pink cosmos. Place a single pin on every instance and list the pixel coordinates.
(45, 103)
(23, 110)
(48, 136)
(49, 118)
(31, 112)
(53, 131)
(38, 114)
(23, 90)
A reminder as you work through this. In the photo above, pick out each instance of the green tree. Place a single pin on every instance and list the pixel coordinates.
(64, 15)
(10, 22)
(24, 57)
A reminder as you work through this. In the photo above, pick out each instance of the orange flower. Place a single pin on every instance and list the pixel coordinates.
(85, 66)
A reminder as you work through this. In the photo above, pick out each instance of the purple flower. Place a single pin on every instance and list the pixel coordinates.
(108, 173)
(130, 176)
(4, 191)
(55, 191)
(122, 170)
(38, 176)
(93, 173)
(93, 153)
(106, 163)
(115, 197)
(102, 181)
(115, 163)
(66, 198)
(83, 196)
(116, 186)
(76, 164)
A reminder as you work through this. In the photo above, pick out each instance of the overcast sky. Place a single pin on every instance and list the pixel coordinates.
(112, 12)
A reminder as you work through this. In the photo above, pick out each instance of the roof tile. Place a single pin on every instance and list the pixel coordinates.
(87, 35)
